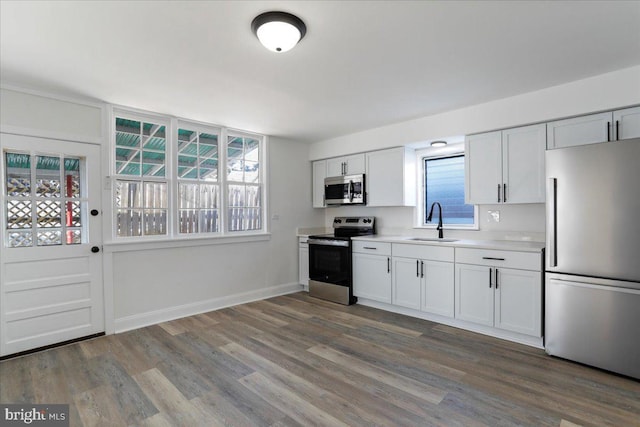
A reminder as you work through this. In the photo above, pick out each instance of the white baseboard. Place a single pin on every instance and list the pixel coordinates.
(171, 313)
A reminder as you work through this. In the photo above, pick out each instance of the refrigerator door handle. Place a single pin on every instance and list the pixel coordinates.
(552, 258)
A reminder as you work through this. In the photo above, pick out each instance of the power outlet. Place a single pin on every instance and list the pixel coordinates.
(494, 216)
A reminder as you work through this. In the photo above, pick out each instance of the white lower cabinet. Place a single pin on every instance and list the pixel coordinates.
(303, 261)
(372, 271)
(406, 283)
(423, 278)
(492, 294)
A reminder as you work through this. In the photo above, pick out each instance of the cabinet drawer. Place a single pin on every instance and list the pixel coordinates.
(510, 259)
(434, 253)
(378, 248)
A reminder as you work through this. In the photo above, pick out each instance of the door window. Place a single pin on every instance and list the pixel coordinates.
(45, 204)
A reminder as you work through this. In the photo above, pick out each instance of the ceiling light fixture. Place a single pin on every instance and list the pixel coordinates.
(438, 143)
(278, 31)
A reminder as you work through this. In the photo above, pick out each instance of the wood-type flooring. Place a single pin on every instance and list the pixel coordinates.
(296, 360)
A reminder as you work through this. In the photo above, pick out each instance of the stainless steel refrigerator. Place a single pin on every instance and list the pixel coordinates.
(592, 280)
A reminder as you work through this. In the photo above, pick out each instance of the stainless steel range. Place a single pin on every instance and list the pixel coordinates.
(330, 272)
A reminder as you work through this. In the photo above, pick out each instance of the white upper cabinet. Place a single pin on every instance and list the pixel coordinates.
(523, 164)
(346, 165)
(505, 166)
(391, 177)
(483, 168)
(627, 123)
(594, 128)
(319, 172)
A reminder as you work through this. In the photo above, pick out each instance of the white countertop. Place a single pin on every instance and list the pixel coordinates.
(505, 245)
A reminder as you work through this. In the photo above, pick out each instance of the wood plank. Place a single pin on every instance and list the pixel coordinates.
(408, 385)
(98, 407)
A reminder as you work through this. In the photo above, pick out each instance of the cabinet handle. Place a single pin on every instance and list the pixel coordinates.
(608, 131)
(498, 193)
(504, 192)
(490, 270)
(369, 247)
(417, 268)
(388, 265)
(493, 258)
(496, 278)
(421, 268)
(618, 130)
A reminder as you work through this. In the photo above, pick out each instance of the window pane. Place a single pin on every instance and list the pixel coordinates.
(49, 214)
(49, 237)
(18, 214)
(18, 173)
(209, 221)
(155, 195)
(188, 196)
(48, 176)
(73, 214)
(128, 194)
(74, 237)
(445, 184)
(20, 239)
(72, 177)
(155, 222)
(209, 195)
(129, 222)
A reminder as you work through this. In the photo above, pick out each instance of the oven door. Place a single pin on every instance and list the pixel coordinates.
(330, 261)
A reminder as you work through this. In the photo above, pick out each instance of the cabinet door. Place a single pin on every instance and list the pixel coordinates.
(335, 166)
(627, 123)
(303, 264)
(483, 168)
(438, 295)
(523, 164)
(406, 283)
(385, 177)
(474, 296)
(582, 130)
(319, 174)
(518, 301)
(372, 277)
(354, 164)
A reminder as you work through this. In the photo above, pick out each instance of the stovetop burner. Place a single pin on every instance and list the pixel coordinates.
(345, 227)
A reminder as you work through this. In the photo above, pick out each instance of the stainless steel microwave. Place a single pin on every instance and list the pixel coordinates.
(344, 190)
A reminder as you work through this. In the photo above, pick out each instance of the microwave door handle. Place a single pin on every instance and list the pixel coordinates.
(350, 191)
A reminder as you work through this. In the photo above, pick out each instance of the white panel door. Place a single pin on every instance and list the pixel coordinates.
(627, 123)
(438, 294)
(406, 283)
(518, 301)
(372, 277)
(51, 284)
(474, 294)
(483, 168)
(523, 164)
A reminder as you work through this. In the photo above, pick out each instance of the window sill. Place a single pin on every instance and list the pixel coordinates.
(182, 242)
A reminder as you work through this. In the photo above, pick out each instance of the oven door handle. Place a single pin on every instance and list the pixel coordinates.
(328, 242)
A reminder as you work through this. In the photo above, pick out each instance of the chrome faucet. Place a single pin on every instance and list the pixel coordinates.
(439, 227)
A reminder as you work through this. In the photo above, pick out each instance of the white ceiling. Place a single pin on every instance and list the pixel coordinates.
(362, 64)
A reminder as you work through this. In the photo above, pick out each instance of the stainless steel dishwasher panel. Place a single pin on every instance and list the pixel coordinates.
(594, 321)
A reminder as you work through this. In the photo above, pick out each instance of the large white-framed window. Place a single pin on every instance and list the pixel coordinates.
(179, 179)
(442, 179)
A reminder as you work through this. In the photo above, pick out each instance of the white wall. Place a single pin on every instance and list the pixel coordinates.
(147, 286)
(605, 92)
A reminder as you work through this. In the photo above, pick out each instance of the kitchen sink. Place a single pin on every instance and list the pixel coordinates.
(432, 239)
